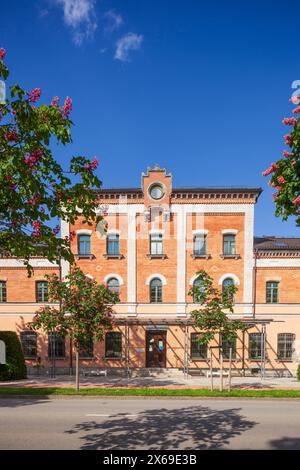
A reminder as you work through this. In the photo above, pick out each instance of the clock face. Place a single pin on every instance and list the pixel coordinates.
(156, 191)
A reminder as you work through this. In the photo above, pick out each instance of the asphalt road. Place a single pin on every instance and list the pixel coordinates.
(165, 424)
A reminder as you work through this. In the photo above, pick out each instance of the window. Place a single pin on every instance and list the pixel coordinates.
(56, 346)
(86, 349)
(84, 245)
(198, 287)
(2, 291)
(229, 247)
(225, 284)
(113, 345)
(255, 348)
(156, 191)
(272, 292)
(29, 343)
(113, 244)
(156, 291)
(42, 291)
(199, 245)
(113, 285)
(156, 244)
(285, 346)
(198, 350)
(226, 345)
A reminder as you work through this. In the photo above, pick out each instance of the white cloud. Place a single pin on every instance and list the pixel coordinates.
(80, 16)
(114, 21)
(127, 43)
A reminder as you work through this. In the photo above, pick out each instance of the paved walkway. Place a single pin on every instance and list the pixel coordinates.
(179, 381)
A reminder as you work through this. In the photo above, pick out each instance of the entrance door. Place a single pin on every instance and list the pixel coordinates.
(156, 348)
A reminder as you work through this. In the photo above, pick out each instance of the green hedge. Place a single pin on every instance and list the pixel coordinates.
(14, 368)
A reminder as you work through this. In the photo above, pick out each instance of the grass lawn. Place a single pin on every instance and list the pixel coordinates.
(148, 392)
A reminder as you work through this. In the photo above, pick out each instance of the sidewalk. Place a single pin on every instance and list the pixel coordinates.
(268, 383)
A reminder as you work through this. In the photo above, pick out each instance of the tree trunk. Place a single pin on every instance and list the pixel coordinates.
(77, 369)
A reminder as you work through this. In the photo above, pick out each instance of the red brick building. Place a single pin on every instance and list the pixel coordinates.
(157, 238)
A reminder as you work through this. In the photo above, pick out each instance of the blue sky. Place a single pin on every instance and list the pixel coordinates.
(198, 87)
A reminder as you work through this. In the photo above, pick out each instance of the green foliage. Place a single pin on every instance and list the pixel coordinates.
(298, 372)
(34, 187)
(286, 171)
(211, 318)
(14, 368)
(85, 308)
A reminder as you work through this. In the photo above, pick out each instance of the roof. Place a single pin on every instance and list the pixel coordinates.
(189, 190)
(270, 242)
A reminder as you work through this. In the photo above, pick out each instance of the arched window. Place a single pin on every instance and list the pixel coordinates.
(225, 284)
(156, 290)
(113, 285)
(198, 288)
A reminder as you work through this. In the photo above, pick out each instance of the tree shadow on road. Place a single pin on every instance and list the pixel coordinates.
(286, 443)
(196, 427)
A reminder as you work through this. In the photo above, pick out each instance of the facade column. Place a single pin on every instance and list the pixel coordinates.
(248, 260)
(181, 259)
(65, 231)
(131, 259)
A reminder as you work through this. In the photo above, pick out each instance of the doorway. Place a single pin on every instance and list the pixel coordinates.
(156, 342)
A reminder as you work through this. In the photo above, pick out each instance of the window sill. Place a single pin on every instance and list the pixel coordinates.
(199, 359)
(284, 360)
(86, 358)
(84, 256)
(113, 358)
(194, 256)
(106, 256)
(56, 358)
(235, 256)
(150, 256)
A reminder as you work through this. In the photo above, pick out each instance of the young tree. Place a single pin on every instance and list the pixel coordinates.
(286, 171)
(34, 187)
(84, 312)
(211, 318)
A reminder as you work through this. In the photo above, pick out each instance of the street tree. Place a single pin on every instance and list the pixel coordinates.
(211, 317)
(83, 312)
(285, 172)
(35, 188)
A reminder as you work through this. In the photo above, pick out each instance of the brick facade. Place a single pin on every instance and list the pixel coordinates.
(177, 215)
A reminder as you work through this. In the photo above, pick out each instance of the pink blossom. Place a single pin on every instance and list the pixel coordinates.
(36, 233)
(35, 200)
(274, 196)
(286, 154)
(281, 179)
(271, 169)
(34, 95)
(294, 99)
(33, 158)
(288, 139)
(296, 110)
(55, 101)
(296, 201)
(2, 53)
(279, 188)
(11, 136)
(67, 107)
(93, 165)
(289, 121)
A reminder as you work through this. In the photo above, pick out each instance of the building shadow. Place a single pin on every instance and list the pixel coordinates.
(286, 443)
(14, 402)
(197, 427)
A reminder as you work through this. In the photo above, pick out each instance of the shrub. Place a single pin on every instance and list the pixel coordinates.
(14, 368)
(298, 372)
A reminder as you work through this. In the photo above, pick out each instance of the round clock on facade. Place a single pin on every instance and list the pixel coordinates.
(156, 191)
